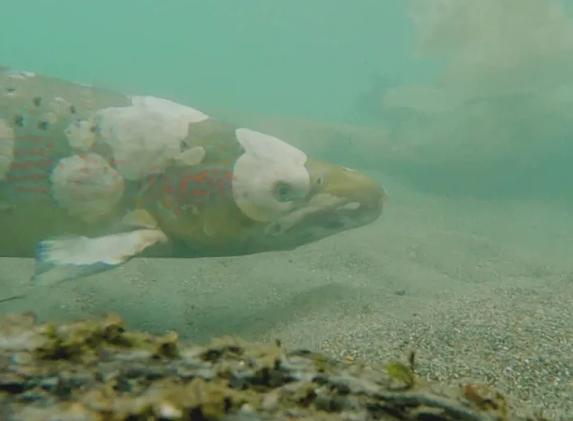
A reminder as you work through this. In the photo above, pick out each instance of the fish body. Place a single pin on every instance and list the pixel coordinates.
(91, 178)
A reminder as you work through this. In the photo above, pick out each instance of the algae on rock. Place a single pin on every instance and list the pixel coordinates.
(96, 370)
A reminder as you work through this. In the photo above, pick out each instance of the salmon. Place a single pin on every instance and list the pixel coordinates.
(91, 178)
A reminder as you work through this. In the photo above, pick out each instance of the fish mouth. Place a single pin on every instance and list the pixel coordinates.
(304, 226)
(349, 215)
(331, 216)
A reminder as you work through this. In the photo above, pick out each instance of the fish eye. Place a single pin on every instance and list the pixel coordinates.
(283, 192)
(320, 179)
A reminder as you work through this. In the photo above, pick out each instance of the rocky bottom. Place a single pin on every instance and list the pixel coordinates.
(96, 370)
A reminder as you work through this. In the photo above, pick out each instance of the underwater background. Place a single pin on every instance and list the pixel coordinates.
(463, 111)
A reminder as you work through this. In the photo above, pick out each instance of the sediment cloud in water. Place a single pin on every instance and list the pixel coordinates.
(499, 108)
(490, 48)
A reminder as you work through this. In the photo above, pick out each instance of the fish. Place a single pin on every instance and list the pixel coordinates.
(91, 178)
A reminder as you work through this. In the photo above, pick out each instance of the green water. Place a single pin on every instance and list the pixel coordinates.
(286, 57)
(463, 109)
(478, 105)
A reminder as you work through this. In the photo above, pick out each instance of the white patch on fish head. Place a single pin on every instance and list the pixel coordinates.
(7, 139)
(270, 177)
(147, 135)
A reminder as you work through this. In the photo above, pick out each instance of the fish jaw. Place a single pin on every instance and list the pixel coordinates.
(342, 200)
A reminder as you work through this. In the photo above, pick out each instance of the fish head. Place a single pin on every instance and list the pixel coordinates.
(254, 193)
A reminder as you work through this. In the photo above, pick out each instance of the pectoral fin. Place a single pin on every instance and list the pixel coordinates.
(65, 259)
(139, 218)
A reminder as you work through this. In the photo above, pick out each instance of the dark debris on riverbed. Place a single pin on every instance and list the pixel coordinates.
(96, 370)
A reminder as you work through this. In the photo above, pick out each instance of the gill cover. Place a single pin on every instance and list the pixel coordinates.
(269, 178)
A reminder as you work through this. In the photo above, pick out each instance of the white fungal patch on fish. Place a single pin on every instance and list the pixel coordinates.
(80, 135)
(50, 118)
(147, 135)
(7, 139)
(269, 177)
(60, 106)
(86, 186)
(192, 156)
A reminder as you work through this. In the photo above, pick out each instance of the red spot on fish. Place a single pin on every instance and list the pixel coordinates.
(32, 190)
(168, 190)
(221, 184)
(31, 138)
(30, 152)
(184, 183)
(15, 166)
(199, 193)
(20, 165)
(201, 176)
(167, 203)
(27, 177)
(88, 159)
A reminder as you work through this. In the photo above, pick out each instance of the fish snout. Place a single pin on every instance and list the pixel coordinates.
(360, 192)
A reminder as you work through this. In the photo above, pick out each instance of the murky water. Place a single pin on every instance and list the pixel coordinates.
(460, 108)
